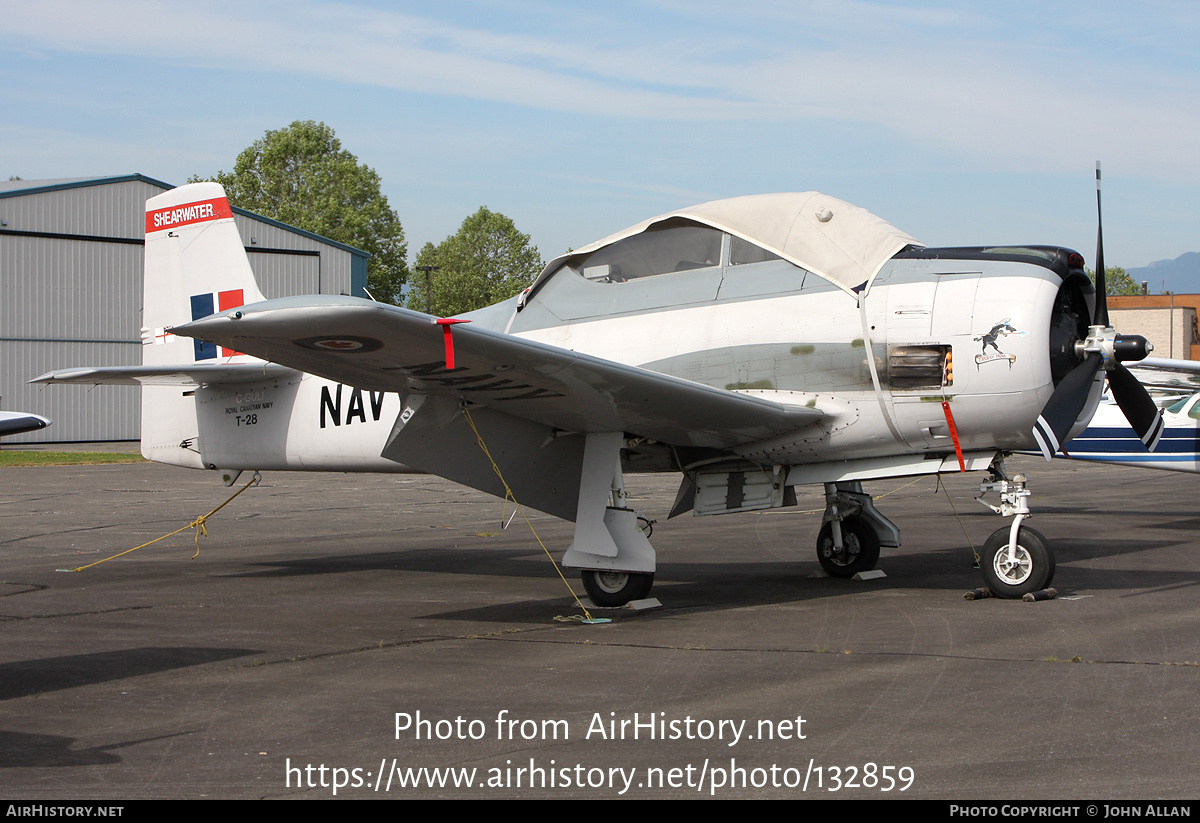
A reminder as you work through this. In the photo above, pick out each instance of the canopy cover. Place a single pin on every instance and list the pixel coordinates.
(843, 243)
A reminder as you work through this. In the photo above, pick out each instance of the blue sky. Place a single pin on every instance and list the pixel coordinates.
(958, 122)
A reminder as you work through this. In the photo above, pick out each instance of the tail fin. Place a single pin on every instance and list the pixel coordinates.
(195, 266)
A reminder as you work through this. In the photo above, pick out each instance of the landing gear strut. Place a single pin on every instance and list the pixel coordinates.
(1016, 559)
(616, 560)
(853, 531)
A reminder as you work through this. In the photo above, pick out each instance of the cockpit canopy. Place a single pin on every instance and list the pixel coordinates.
(835, 240)
(673, 245)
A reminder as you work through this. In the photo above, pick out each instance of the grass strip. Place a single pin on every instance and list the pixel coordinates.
(19, 458)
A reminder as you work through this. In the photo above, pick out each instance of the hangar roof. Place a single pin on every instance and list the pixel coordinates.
(10, 188)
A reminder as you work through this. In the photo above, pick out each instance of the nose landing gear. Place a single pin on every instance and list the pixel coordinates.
(1016, 559)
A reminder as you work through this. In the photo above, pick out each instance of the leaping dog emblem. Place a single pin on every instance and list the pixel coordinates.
(1002, 329)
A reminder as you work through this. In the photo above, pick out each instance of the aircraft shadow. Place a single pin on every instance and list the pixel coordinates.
(21, 750)
(28, 677)
(445, 560)
(710, 586)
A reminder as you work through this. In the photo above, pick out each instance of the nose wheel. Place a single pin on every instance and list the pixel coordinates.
(1016, 559)
(1013, 571)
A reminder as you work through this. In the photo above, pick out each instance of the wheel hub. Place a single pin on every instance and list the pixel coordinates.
(1013, 571)
(612, 582)
(849, 552)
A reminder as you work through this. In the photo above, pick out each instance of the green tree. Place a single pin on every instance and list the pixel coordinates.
(485, 262)
(301, 175)
(1117, 281)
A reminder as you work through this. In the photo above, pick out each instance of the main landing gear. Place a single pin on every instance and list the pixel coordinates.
(616, 588)
(615, 559)
(853, 531)
(617, 562)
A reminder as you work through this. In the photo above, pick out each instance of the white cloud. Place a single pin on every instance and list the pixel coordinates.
(855, 86)
(949, 76)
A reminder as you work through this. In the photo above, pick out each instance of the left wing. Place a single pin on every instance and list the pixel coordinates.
(385, 348)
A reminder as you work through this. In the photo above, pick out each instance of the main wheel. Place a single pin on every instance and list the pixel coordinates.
(860, 548)
(1031, 570)
(616, 588)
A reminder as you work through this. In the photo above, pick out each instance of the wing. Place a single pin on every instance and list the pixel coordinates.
(189, 375)
(21, 422)
(1166, 374)
(385, 348)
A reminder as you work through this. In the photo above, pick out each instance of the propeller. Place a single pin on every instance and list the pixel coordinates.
(1103, 349)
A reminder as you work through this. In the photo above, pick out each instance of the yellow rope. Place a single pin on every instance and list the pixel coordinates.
(197, 524)
(508, 495)
(916, 479)
(954, 509)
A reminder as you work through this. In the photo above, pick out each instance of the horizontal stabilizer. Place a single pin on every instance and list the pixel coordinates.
(193, 374)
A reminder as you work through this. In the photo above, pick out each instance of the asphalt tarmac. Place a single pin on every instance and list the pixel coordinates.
(366, 636)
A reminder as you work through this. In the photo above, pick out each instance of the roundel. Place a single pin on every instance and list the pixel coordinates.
(346, 343)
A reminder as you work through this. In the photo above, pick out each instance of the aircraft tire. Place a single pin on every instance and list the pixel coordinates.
(860, 550)
(1033, 571)
(616, 588)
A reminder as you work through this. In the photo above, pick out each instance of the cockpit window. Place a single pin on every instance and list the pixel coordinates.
(1177, 406)
(743, 251)
(655, 251)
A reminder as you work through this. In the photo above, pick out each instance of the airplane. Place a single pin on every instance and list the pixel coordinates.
(1110, 439)
(21, 422)
(752, 344)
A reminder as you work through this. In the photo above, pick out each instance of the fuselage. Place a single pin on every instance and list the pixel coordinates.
(934, 326)
(960, 327)
(1110, 439)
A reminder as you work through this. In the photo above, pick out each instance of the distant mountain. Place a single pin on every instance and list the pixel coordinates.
(1181, 275)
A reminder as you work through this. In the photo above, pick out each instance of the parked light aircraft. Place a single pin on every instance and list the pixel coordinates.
(752, 344)
(20, 422)
(1110, 439)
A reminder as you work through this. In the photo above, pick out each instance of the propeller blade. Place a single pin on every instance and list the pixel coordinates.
(1064, 406)
(1145, 417)
(1100, 317)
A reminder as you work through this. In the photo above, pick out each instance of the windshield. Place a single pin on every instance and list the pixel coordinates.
(656, 251)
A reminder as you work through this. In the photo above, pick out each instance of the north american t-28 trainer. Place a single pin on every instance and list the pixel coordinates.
(751, 344)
